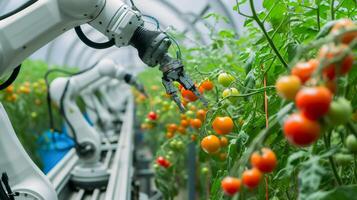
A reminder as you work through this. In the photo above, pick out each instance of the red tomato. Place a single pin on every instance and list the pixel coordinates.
(304, 70)
(163, 162)
(189, 96)
(231, 185)
(314, 102)
(329, 52)
(344, 24)
(152, 116)
(301, 131)
(251, 177)
(266, 162)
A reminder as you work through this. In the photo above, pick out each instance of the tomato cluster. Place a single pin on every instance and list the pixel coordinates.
(312, 84)
(261, 163)
(189, 96)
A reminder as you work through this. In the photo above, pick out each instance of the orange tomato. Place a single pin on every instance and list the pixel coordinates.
(185, 123)
(172, 128)
(10, 89)
(288, 86)
(224, 141)
(251, 177)
(181, 130)
(207, 85)
(222, 156)
(223, 125)
(169, 135)
(211, 144)
(231, 185)
(201, 114)
(265, 162)
(196, 123)
(193, 137)
(304, 70)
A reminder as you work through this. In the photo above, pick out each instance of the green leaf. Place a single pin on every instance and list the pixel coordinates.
(340, 193)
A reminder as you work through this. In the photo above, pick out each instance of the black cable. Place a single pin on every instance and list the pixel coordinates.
(22, 7)
(63, 113)
(11, 79)
(49, 99)
(90, 43)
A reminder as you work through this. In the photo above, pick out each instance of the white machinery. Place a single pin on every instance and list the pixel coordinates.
(101, 118)
(90, 172)
(37, 23)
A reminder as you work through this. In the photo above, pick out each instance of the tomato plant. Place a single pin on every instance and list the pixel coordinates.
(278, 86)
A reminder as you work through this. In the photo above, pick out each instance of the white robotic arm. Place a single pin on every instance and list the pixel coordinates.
(64, 92)
(26, 31)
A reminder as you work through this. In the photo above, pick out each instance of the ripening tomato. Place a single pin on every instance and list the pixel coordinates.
(300, 130)
(172, 128)
(251, 177)
(181, 130)
(196, 123)
(193, 137)
(152, 116)
(224, 141)
(211, 144)
(230, 93)
(223, 125)
(230, 185)
(288, 86)
(169, 135)
(201, 114)
(314, 102)
(304, 70)
(342, 25)
(265, 162)
(225, 79)
(331, 85)
(207, 85)
(330, 52)
(222, 156)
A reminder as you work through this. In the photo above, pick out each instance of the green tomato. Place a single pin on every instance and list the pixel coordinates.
(204, 170)
(351, 143)
(156, 166)
(179, 145)
(171, 153)
(190, 114)
(340, 111)
(343, 159)
(230, 92)
(225, 79)
(173, 144)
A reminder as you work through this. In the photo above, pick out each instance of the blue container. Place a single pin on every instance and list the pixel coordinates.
(53, 147)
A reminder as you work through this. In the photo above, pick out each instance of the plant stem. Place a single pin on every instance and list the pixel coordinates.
(334, 170)
(318, 17)
(327, 140)
(270, 41)
(332, 10)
